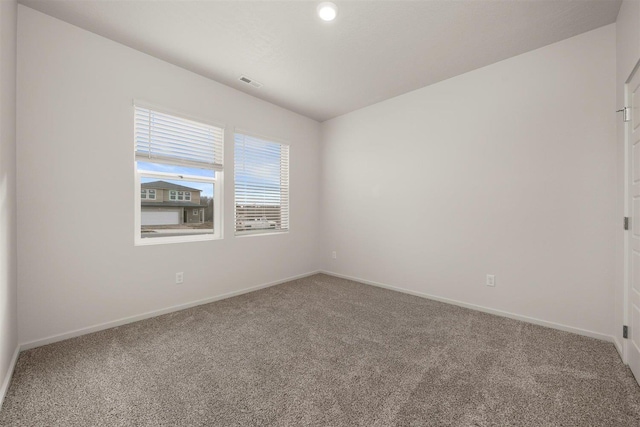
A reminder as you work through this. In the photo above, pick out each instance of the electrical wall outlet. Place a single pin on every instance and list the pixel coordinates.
(334, 255)
(491, 280)
(179, 278)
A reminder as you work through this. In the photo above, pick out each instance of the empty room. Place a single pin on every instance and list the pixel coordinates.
(320, 213)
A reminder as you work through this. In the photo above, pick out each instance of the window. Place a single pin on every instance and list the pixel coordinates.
(261, 185)
(181, 159)
(195, 212)
(181, 195)
(147, 194)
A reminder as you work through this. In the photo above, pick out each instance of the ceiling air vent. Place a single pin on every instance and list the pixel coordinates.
(247, 80)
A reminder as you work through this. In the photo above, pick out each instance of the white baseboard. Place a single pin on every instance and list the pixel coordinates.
(619, 347)
(147, 315)
(8, 376)
(483, 309)
(150, 314)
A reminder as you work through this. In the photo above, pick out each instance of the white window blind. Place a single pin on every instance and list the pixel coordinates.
(261, 185)
(164, 138)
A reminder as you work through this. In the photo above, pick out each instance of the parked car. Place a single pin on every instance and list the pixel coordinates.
(257, 224)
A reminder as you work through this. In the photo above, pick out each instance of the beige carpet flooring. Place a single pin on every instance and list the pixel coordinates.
(323, 351)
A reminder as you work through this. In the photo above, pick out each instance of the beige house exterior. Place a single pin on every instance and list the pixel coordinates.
(164, 203)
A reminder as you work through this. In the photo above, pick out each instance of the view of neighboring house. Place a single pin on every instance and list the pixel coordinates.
(164, 203)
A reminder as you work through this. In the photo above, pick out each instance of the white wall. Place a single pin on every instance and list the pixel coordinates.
(8, 290)
(508, 170)
(627, 56)
(77, 264)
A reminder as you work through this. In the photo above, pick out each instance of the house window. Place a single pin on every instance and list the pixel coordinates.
(182, 158)
(147, 194)
(183, 195)
(195, 212)
(261, 185)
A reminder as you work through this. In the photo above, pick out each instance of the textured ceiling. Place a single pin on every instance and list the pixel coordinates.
(373, 51)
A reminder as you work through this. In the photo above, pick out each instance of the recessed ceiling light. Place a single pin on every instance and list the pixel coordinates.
(327, 11)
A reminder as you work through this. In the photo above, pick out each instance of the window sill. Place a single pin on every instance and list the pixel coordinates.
(260, 233)
(149, 241)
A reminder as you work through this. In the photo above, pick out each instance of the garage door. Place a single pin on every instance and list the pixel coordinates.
(160, 217)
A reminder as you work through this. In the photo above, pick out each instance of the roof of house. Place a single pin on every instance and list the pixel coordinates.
(172, 204)
(167, 185)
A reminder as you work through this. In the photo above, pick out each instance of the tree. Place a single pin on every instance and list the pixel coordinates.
(208, 210)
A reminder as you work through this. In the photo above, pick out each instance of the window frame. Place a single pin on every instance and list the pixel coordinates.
(217, 181)
(260, 232)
